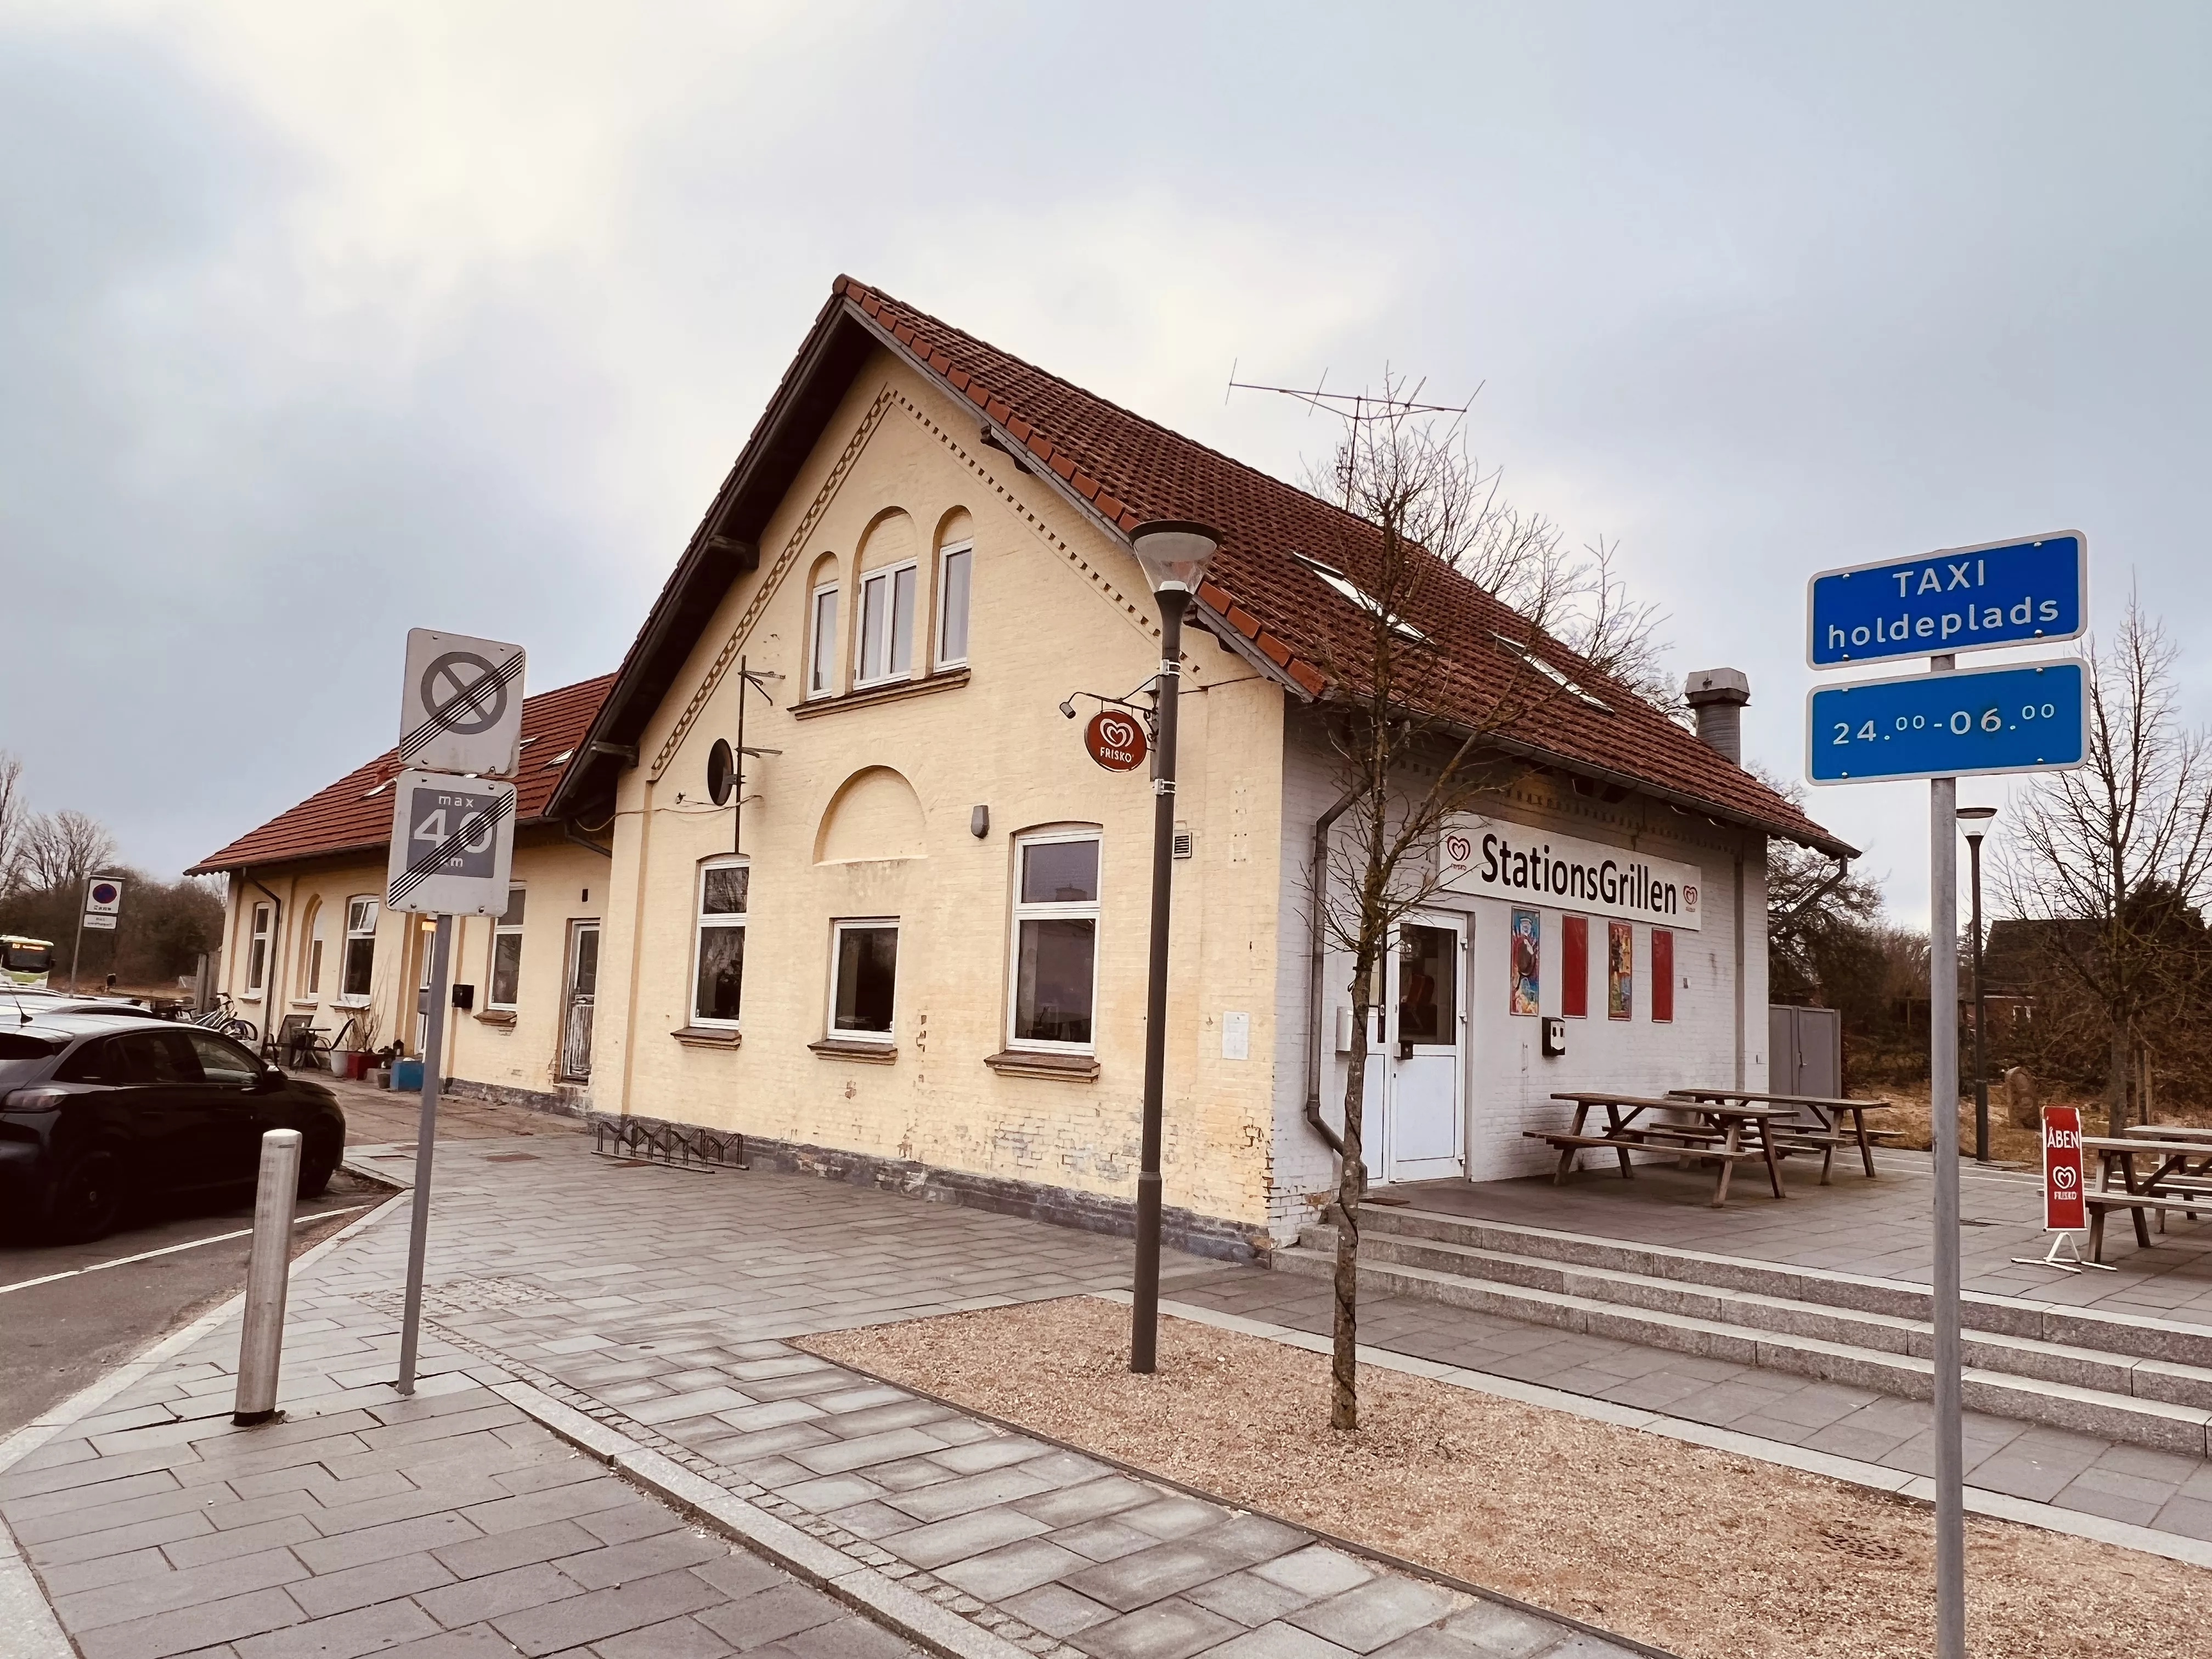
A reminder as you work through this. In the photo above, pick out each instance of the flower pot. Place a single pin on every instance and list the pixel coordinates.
(381, 1076)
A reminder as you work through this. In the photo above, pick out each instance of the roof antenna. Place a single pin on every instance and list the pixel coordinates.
(23, 1013)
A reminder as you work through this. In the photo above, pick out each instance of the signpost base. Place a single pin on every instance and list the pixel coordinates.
(2071, 1263)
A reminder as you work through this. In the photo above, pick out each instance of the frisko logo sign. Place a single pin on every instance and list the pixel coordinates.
(1511, 861)
(1115, 740)
(2063, 1207)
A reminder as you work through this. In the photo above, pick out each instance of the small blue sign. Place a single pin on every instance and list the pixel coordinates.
(2029, 719)
(1963, 599)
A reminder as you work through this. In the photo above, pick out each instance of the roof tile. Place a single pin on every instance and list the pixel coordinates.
(346, 817)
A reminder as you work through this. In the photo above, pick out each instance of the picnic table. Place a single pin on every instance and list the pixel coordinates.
(2179, 1178)
(1827, 1131)
(1718, 1135)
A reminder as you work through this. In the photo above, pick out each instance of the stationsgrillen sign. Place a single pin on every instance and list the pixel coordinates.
(1490, 860)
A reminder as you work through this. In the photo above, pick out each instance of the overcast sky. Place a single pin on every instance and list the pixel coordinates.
(316, 322)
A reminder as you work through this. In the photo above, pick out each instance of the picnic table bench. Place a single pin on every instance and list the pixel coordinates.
(1824, 1134)
(2180, 1180)
(1717, 1136)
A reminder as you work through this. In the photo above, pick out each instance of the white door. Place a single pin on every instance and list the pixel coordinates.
(1424, 1051)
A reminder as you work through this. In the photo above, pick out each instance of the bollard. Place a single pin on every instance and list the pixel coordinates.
(261, 1345)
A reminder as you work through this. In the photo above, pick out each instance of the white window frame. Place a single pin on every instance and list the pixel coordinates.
(1092, 910)
(318, 930)
(874, 668)
(839, 926)
(503, 928)
(701, 921)
(821, 643)
(944, 557)
(257, 953)
(375, 912)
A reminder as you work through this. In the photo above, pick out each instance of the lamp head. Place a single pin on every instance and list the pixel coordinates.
(1067, 707)
(1175, 553)
(1974, 820)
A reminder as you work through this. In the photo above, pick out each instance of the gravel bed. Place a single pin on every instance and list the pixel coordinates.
(1710, 1555)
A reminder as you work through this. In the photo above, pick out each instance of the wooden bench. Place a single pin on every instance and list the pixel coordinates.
(1717, 1138)
(2100, 1203)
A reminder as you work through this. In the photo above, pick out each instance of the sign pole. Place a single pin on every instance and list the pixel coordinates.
(77, 949)
(1943, 1118)
(418, 1231)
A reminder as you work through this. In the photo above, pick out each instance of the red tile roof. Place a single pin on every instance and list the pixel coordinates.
(1130, 470)
(347, 817)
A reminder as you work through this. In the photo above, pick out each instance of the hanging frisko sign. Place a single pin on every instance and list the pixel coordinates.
(1115, 739)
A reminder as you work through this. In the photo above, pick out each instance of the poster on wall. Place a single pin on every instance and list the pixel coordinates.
(1527, 937)
(1620, 971)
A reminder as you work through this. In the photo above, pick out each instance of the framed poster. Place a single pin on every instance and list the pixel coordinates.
(1620, 971)
(1527, 935)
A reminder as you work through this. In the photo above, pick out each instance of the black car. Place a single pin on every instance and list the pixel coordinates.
(98, 1109)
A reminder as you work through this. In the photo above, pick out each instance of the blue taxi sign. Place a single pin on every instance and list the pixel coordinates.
(1961, 598)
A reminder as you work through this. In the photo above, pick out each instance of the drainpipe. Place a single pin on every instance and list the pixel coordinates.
(269, 966)
(1317, 885)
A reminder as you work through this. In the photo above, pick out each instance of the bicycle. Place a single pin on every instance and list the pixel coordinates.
(223, 1018)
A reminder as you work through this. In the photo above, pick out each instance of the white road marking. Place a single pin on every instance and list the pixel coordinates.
(169, 1249)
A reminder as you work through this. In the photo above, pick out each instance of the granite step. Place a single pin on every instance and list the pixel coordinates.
(2134, 1400)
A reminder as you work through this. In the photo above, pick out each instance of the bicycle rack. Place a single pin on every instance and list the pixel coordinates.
(682, 1145)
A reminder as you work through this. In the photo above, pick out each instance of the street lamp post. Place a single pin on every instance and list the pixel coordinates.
(1976, 818)
(1175, 554)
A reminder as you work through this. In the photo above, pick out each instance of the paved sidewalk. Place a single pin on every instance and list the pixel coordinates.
(642, 1311)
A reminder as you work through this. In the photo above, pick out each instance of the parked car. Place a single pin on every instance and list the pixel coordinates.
(98, 1109)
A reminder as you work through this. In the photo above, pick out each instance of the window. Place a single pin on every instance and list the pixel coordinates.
(1662, 974)
(1055, 946)
(1360, 596)
(506, 953)
(357, 971)
(151, 1057)
(1557, 675)
(719, 970)
(315, 932)
(886, 625)
(953, 568)
(257, 953)
(1574, 967)
(223, 1061)
(822, 663)
(864, 966)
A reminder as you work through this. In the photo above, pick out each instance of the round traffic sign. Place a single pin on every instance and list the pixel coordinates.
(1115, 740)
(105, 892)
(459, 700)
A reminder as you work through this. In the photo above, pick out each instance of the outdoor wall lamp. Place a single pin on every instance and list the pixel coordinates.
(1175, 553)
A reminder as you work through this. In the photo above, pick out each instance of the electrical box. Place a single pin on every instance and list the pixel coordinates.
(1343, 1029)
(1555, 1038)
(464, 997)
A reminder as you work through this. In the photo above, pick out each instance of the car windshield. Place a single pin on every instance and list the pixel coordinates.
(23, 1056)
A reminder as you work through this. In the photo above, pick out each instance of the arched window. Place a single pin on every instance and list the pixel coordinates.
(956, 560)
(822, 628)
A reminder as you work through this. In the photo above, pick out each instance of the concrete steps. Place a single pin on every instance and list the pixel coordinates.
(2145, 1382)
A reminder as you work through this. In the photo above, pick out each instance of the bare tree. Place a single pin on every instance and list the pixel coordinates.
(2110, 859)
(1407, 769)
(61, 851)
(12, 810)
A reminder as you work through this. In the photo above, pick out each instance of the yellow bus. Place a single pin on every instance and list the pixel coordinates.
(25, 961)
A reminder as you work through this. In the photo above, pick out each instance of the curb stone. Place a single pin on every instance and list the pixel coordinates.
(1397, 1564)
(1851, 1471)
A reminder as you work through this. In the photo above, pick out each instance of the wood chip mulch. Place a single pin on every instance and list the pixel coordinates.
(1705, 1553)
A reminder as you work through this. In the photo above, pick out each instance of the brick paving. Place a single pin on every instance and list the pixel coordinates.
(654, 1305)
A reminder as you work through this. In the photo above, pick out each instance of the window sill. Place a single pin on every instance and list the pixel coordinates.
(1023, 1062)
(870, 1054)
(707, 1036)
(496, 1017)
(304, 1002)
(350, 1002)
(893, 691)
